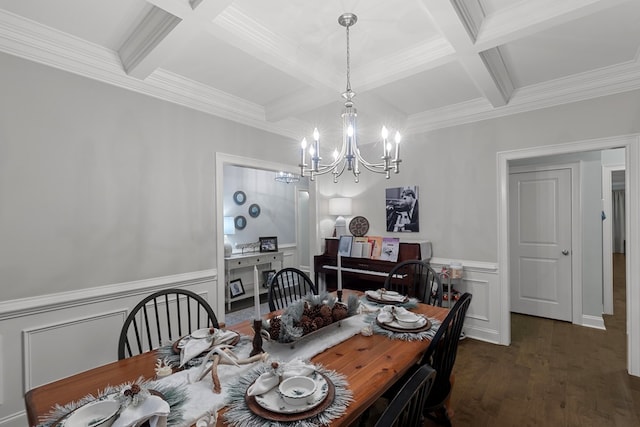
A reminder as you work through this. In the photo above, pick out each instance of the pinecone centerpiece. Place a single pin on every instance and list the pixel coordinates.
(311, 313)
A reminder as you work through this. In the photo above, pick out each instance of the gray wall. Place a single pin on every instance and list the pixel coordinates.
(100, 185)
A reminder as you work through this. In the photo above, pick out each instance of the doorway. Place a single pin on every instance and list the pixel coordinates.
(631, 144)
(222, 159)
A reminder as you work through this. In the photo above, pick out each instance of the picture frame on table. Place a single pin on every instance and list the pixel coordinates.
(344, 247)
(268, 244)
(235, 288)
(267, 275)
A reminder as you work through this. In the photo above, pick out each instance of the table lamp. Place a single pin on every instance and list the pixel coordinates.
(229, 228)
(340, 206)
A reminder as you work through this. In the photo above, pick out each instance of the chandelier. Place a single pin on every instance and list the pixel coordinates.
(286, 177)
(349, 157)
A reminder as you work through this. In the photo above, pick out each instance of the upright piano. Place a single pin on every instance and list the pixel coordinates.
(362, 273)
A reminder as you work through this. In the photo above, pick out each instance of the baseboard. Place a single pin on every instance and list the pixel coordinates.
(596, 322)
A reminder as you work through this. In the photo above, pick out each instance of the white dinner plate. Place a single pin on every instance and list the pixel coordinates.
(97, 413)
(422, 321)
(273, 401)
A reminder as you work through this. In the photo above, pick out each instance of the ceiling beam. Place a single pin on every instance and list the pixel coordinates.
(526, 18)
(169, 25)
(487, 69)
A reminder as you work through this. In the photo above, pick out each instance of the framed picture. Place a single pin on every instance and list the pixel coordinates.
(402, 209)
(235, 288)
(267, 275)
(344, 247)
(268, 244)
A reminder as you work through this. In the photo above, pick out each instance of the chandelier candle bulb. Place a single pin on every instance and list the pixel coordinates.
(398, 138)
(385, 134)
(303, 147)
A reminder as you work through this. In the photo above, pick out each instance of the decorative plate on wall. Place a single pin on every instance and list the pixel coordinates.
(239, 197)
(359, 226)
(254, 210)
(240, 222)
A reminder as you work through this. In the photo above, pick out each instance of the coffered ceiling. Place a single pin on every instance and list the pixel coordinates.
(280, 65)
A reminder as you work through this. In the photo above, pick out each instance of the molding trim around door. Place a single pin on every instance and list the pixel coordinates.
(631, 145)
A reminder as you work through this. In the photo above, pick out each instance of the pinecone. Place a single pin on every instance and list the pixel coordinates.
(339, 312)
(307, 327)
(274, 329)
(325, 311)
(327, 320)
(318, 322)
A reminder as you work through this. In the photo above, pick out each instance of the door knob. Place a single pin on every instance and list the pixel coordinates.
(565, 252)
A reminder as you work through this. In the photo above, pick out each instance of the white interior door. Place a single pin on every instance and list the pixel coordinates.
(540, 243)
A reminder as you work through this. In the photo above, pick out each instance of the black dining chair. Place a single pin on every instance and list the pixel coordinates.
(416, 278)
(406, 408)
(441, 355)
(162, 318)
(288, 285)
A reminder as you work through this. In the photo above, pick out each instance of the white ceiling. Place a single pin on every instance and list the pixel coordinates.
(280, 65)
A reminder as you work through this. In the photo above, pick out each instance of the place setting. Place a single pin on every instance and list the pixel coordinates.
(296, 392)
(400, 323)
(142, 403)
(188, 351)
(385, 297)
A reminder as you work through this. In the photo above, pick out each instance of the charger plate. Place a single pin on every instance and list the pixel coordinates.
(64, 420)
(393, 328)
(384, 301)
(258, 409)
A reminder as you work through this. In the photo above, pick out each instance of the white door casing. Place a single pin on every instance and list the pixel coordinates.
(607, 239)
(540, 230)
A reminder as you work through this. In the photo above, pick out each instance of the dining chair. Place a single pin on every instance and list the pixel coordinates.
(405, 410)
(162, 318)
(416, 278)
(288, 285)
(441, 355)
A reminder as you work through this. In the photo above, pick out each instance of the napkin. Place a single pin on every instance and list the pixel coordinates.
(385, 296)
(389, 313)
(153, 409)
(296, 368)
(195, 347)
(263, 384)
(271, 379)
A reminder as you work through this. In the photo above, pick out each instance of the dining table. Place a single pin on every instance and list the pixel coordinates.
(370, 364)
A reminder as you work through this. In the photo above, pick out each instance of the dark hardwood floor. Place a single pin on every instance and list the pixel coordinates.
(553, 374)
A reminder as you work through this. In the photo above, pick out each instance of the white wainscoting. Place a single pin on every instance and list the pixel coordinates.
(46, 338)
(481, 280)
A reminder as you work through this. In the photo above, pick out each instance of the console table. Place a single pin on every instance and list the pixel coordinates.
(238, 262)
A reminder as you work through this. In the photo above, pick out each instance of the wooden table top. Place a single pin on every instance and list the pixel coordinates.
(371, 365)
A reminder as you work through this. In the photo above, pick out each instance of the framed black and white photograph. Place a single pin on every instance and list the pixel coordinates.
(266, 276)
(344, 247)
(268, 244)
(235, 288)
(402, 210)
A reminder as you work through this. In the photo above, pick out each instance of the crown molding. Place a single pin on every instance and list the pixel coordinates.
(29, 40)
(579, 87)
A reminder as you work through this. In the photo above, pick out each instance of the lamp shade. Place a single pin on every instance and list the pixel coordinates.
(229, 225)
(340, 206)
